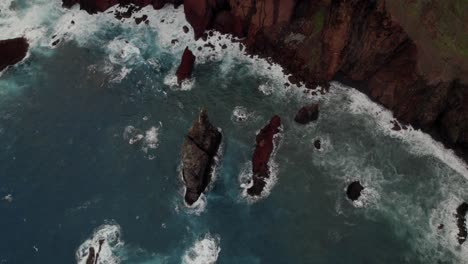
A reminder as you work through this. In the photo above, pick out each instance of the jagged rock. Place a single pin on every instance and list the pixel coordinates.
(186, 66)
(307, 114)
(199, 14)
(198, 152)
(12, 51)
(263, 149)
(354, 190)
(461, 222)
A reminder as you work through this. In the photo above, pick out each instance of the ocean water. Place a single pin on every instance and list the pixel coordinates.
(90, 137)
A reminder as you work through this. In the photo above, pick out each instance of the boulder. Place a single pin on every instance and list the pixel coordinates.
(307, 114)
(263, 149)
(12, 51)
(354, 190)
(186, 66)
(461, 222)
(198, 152)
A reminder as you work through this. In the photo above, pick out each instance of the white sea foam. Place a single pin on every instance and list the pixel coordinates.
(240, 114)
(171, 81)
(204, 251)
(418, 142)
(111, 234)
(8, 198)
(149, 140)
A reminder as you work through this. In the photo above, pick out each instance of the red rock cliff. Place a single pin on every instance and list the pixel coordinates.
(409, 55)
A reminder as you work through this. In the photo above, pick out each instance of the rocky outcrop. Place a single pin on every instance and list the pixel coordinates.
(198, 153)
(461, 222)
(307, 114)
(318, 144)
(12, 51)
(410, 56)
(354, 190)
(186, 66)
(263, 149)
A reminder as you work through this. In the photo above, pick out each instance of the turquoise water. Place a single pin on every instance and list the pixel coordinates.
(70, 173)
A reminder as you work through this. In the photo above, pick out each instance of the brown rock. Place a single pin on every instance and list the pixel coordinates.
(12, 51)
(91, 256)
(198, 152)
(186, 66)
(199, 14)
(261, 157)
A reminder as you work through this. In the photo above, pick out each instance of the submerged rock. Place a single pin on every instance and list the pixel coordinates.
(263, 149)
(186, 66)
(318, 144)
(198, 152)
(461, 222)
(12, 51)
(307, 114)
(354, 190)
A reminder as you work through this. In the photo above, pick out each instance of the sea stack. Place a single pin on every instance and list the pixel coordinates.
(198, 152)
(307, 114)
(263, 149)
(186, 66)
(461, 222)
(12, 51)
(354, 190)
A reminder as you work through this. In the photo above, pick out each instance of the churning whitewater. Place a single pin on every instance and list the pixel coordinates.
(91, 131)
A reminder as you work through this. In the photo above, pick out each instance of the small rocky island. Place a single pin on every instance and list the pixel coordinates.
(198, 152)
(263, 149)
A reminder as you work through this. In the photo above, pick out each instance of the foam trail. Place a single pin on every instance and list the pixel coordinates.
(111, 234)
(204, 251)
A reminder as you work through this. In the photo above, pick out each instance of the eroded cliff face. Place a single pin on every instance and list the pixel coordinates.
(409, 55)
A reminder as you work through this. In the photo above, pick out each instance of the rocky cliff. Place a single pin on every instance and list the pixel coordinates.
(409, 55)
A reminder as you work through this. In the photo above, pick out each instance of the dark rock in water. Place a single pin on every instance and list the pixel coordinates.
(186, 66)
(396, 126)
(186, 29)
(354, 190)
(138, 20)
(307, 114)
(55, 42)
(318, 144)
(198, 152)
(440, 226)
(12, 51)
(263, 149)
(91, 256)
(461, 222)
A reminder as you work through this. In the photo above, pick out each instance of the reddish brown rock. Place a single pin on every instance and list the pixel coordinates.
(186, 66)
(226, 23)
(307, 114)
(12, 51)
(199, 14)
(263, 149)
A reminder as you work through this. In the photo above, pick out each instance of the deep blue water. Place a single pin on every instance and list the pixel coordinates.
(73, 177)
